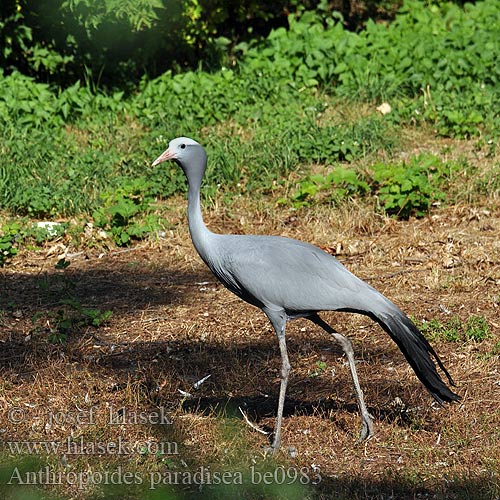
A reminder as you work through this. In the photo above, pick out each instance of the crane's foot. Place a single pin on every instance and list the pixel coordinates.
(366, 427)
(274, 447)
(270, 450)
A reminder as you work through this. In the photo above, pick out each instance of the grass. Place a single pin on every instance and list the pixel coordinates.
(475, 328)
(104, 176)
(74, 149)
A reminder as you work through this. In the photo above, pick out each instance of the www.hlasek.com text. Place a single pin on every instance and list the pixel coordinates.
(79, 446)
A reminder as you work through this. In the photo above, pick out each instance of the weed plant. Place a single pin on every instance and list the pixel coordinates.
(404, 189)
(475, 328)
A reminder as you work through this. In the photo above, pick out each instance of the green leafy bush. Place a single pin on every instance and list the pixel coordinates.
(58, 324)
(435, 62)
(340, 184)
(116, 42)
(25, 103)
(125, 212)
(409, 189)
(9, 234)
(455, 330)
(403, 189)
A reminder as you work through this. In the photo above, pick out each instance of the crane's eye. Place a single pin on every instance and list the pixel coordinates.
(183, 146)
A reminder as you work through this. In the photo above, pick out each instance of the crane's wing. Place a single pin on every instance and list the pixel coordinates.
(283, 273)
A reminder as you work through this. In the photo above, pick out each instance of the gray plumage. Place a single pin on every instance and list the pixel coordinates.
(289, 279)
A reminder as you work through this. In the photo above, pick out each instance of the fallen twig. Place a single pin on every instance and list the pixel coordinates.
(251, 424)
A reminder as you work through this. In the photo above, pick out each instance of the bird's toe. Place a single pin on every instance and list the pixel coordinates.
(366, 428)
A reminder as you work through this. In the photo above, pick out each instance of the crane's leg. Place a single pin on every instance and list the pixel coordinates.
(367, 426)
(278, 320)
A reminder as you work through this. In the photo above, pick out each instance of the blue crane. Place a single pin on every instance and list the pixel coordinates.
(289, 279)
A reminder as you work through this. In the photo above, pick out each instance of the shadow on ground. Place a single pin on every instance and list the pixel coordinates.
(128, 290)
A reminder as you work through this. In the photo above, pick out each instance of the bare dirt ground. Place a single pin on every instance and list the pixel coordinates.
(173, 324)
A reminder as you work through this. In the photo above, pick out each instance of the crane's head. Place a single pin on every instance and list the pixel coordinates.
(189, 155)
(180, 150)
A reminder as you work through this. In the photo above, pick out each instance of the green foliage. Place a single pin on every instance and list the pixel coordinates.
(87, 316)
(26, 103)
(15, 37)
(477, 328)
(320, 368)
(455, 330)
(57, 325)
(402, 189)
(9, 234)
(22, 232)
(496, 349)
(436, 62)
(116, 42)
(48, 59)
(409, 189)
(123, 209)
(92, 14)
(343, 142)
(64, 41)
(75, 151)
(339, 184)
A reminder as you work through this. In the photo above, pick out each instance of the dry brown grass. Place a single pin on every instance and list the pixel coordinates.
(173, 324)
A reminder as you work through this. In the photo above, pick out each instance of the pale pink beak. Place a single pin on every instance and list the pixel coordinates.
(166, 155)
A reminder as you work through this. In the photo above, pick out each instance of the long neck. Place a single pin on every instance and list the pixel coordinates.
(200, 235)
(199, 232)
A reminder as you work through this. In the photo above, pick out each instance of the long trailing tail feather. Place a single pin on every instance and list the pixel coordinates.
(418, 352)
